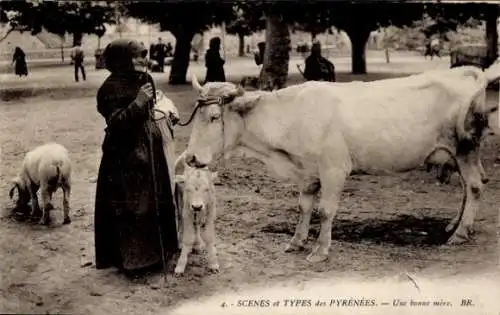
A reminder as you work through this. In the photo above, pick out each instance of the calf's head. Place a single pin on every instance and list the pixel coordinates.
(216, 124)
(197, 189)
(22, 191)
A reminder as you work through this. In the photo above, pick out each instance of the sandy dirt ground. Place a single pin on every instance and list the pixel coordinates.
(386, 225)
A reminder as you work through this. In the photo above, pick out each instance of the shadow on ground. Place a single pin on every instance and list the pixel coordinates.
(403, 230)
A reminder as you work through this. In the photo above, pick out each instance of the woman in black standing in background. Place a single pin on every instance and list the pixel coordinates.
(19, 59)
(214, 63)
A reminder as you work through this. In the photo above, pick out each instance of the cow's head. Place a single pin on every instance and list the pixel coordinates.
(198, 190)
(22, 191)
(217, 123)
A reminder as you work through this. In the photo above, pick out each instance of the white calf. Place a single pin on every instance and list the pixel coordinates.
(195, 194)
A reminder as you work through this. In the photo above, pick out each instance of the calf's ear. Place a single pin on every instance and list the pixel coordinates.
(179, 180)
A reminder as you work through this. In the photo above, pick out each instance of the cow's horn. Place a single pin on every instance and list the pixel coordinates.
(195, 83)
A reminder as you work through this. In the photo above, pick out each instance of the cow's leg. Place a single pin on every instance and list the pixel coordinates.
(336, 165)
(473, 182)
(187, 244)
(208, 235)
(66, 197)
(306, 203)
(331, 188)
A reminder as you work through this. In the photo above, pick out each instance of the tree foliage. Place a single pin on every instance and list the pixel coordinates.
(59, 17)
(177, 17)
(246, 21)
(183, 19)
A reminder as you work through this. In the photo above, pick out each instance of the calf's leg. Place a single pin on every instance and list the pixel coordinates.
(187, 244)
(208, 236)
(197, 246)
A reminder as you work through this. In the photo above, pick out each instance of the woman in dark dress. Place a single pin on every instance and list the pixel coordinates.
(19, 59)
(214, 63)
(134, 209)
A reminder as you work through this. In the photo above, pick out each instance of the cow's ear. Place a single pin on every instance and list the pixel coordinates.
(492, 110)
(245, 104)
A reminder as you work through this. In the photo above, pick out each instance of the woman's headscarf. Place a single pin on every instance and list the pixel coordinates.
(119, 54)
(214, 43)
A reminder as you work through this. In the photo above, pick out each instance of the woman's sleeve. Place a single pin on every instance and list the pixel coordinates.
(208, 61)
(118, 118)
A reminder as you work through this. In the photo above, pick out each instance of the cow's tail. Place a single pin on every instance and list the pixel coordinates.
(475, 102)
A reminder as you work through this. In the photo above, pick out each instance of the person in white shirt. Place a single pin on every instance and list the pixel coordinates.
(77, 57)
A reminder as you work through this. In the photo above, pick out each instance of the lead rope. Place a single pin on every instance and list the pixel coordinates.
(153, 173)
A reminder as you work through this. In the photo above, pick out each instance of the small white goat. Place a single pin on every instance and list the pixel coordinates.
(195, 196)
(47, 167)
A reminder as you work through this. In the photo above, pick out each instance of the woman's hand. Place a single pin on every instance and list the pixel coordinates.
(145, 95)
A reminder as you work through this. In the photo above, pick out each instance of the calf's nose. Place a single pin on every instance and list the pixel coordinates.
(485, 180)
(197, 208)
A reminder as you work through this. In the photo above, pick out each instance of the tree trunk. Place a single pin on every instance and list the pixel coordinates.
(274, 70)
(180, 63)
(241, 45)
(358, 36)
(77, 38)
(387, 58)
(62, 49)
(492, 34)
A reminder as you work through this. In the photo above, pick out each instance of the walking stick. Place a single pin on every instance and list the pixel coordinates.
(148, 78)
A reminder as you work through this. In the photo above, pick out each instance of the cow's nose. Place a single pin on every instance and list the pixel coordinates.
(485, 180)
(192, 161)
(197, 208)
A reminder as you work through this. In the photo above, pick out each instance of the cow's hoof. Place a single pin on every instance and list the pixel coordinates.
(179, 272)
(315, 258)
(450, 227)
(457, 239)
(67, 221)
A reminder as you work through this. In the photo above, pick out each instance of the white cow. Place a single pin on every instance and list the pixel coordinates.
(317, 133)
